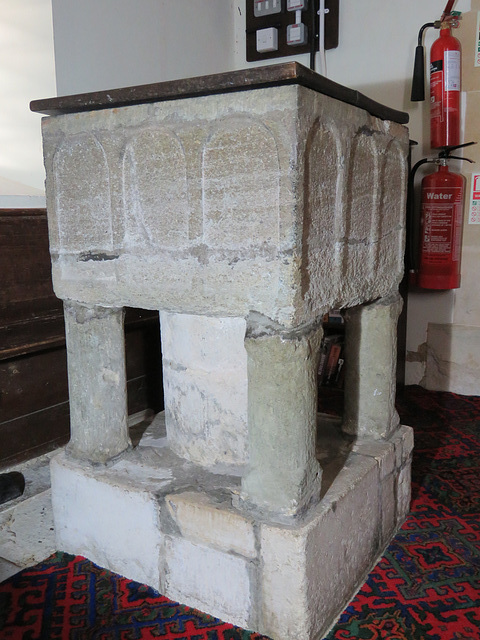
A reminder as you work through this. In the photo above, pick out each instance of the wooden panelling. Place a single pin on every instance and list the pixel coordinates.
(34, 409)
(32, 383)
(26, 285)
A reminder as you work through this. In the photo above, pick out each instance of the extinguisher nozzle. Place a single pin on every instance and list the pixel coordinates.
(418, 81)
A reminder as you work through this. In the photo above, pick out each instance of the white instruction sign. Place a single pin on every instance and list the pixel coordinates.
(474, 212)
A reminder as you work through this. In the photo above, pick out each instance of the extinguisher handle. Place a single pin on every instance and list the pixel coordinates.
(459, 158)
(412, 253)
(445, 153)
(447, 10)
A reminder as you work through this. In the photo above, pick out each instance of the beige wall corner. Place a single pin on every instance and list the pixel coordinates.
(453, 358)
(467, 35)
(467, 297)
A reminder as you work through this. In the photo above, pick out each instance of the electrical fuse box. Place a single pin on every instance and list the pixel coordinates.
(292, 36)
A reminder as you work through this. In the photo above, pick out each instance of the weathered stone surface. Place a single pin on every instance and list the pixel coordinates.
(98, 518)
(383, 452)
(371, 344)
(240, 159)
(286, 580)
(208, 579)
(96, 381)
(402, 440)
(283, 474)
(202, 520)
(403, 492)
(81, 169)
(205, 388)
(310, 570)
(392, 505)
(226, 204)
(155, 186)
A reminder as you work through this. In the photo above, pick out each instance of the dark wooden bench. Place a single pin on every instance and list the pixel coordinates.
(34, 411)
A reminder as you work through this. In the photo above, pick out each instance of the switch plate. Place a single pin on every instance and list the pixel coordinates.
(267, 40)
(266, 7)
(296, 34)
(296, 5)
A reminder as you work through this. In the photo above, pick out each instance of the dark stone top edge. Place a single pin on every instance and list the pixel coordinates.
(242, 80)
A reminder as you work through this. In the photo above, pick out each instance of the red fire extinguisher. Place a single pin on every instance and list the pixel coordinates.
(445, 71)
(441, 229)
(440, 242)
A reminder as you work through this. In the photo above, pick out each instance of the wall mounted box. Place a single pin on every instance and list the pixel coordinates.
(281, 21)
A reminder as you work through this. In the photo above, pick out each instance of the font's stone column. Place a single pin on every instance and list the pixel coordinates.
(205, 388)
(370, 373)
(96, 381)
(284, 475)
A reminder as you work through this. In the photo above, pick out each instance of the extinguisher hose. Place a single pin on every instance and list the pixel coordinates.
(412, 252)
(422, 30)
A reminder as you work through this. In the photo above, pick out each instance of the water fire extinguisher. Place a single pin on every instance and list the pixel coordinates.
(445, 71)
(436, 258)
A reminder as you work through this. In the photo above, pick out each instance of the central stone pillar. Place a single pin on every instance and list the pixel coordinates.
(205, 389)
(284, 475)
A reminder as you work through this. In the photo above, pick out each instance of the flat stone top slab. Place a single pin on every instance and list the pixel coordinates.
(242, 80)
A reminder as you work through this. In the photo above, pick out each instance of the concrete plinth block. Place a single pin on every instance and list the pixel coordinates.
(101, 519)
(311, 572)
(383, 452)
(209, 580)
(390, 519)
(201, 520)
(404, 493)
(403, 441)
(384, 455)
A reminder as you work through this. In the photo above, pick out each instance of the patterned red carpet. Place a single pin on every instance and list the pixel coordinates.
(426, 587)
(70, 597)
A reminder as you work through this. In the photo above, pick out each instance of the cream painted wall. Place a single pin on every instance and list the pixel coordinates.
(26, 72)
(105, 44)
